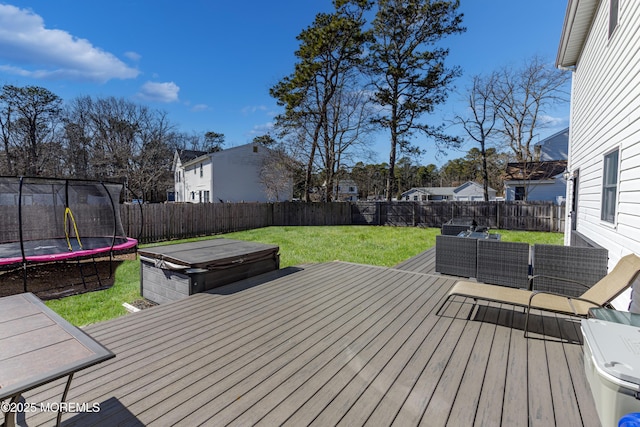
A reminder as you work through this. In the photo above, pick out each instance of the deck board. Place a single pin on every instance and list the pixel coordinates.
(492, 393)
(334, 343)
(424, 262)
(463, 411)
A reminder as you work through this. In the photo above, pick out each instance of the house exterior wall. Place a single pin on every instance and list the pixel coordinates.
(472, 192)
(549, 190)
(555, 147)
(193, 180)
(346, 191)
(236, 174)
(414, 195)
(231, 175)
(605, 115)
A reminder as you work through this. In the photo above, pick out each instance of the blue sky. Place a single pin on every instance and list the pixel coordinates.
(210, 64)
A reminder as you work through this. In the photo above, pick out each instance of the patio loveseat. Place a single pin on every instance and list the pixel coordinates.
(552, 268)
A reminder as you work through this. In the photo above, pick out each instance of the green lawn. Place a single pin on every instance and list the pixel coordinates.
(383, 246)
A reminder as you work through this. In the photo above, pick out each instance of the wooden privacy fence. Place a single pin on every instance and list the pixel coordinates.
(529, 216)
(167, 221)
(157, 222)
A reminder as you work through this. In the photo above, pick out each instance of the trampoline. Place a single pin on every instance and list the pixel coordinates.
(48, 220)
(50, 250)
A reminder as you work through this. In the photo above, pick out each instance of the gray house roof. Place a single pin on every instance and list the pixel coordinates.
(471, 187)
(447, 191)
(185, 156)
(188, 155)
(431, 191)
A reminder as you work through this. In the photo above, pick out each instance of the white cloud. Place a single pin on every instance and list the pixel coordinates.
(134, 56)
(253, 108)
(261, 129)
(159, 92)
(200, 107)
(553, 121)
(27, 48)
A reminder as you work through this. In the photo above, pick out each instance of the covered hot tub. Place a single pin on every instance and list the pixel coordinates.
(172, 272)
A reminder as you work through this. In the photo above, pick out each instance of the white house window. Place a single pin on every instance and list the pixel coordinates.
(206, 196)
(609, 186)
(613, 15)
(193, 195)
(200, 170)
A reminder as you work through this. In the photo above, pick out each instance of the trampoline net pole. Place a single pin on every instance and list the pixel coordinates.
(24, 258)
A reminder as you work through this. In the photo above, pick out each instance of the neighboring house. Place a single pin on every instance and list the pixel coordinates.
(536, 181)
(423, 194)
(238, 174)
(472, 191)
(469, 191)
(544, 178)
(599, 44)
(554, 147)
(346, 191)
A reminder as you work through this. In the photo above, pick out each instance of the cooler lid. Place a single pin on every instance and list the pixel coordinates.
(615, 348)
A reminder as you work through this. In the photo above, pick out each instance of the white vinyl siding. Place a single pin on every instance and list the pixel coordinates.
(605, 116)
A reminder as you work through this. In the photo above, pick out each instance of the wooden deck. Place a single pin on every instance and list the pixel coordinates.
(328, 344)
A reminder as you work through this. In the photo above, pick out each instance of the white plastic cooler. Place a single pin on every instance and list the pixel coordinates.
(612, 367)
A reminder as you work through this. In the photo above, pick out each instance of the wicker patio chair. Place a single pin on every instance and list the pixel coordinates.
(567, 269)
(503, 263)
(453, 229)
(599, 295)
(456, 256)
(455, 226)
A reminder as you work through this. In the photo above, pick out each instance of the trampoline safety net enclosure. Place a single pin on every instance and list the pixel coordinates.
(47, 220)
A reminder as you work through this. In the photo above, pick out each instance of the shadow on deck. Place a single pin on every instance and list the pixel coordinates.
(333, 343)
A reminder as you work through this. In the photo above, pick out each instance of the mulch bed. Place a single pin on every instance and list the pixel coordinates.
(61, 279)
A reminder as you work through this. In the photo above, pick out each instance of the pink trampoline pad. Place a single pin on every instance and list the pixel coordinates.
(58, 249)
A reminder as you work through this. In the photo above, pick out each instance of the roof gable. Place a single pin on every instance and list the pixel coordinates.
(555, 147)
(472, 187)
(188, 155)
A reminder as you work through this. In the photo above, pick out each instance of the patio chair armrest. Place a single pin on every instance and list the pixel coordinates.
(534, 293)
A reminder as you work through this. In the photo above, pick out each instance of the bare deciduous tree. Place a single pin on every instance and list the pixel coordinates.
(29, 119)
(523, 96)
(480, 123)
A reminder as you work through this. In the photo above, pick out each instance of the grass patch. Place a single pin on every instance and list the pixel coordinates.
(531, 237)
(92, 307)
(382, 246)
